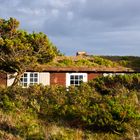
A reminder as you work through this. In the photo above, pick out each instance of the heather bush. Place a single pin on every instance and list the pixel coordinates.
(106, 104)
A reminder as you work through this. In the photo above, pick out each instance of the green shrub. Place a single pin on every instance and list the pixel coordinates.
(65, 62)
(106, 104)
(104, 62)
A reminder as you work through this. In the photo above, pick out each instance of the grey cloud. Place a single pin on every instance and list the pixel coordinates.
(96, 26)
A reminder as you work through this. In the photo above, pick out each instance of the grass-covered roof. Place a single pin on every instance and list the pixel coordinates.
(92, 63)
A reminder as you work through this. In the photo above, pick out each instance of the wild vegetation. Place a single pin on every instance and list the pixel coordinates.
(126, 61)
(20, 50)
(106, 108)
(96, 61)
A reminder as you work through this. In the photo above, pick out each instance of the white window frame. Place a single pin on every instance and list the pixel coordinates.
(68, 78)
(28, 79)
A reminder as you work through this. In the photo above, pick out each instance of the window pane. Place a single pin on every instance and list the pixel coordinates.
(72, 77)
(35, 80)
(31, 79)
(71, 82)
(76, 76)
(76, 82)
(25, 80)
(35, 75)
(80, 76)
(31, 75)
(25, 75)
(25, 84)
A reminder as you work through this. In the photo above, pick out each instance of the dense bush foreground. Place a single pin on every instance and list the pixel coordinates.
(106, 108)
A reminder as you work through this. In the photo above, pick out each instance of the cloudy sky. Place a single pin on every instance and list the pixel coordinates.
(101, 27)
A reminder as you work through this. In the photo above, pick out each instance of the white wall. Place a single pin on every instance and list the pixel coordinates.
(44, 78)
(10, 79)
(112, 74)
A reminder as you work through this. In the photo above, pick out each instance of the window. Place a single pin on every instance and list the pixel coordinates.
(75, 78)
(33, 78)
(23, 80)
(29, 78)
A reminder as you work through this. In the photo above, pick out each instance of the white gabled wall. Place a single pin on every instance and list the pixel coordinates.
(10, 79)
(44, 78)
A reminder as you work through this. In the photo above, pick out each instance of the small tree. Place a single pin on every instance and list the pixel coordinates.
(20, 50)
